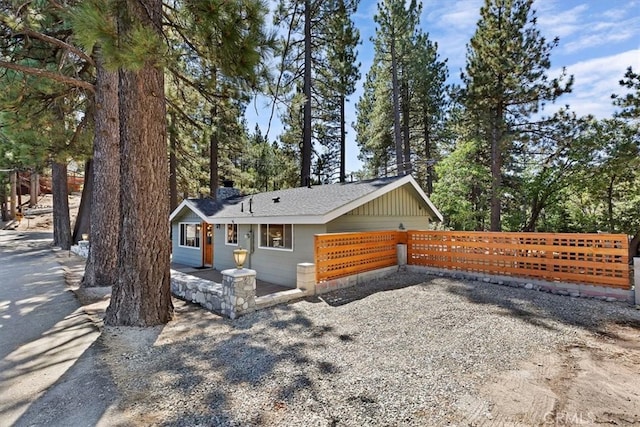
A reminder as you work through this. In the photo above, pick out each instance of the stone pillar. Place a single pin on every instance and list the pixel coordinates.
(636, 279)
(238, 292)
(402, 254)
(306, 278)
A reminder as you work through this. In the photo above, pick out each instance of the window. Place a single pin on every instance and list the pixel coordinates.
(276, 236)
(190, 235)
(232, 234)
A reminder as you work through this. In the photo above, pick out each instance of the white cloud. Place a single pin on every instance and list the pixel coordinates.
(595, 80)
(555, 22)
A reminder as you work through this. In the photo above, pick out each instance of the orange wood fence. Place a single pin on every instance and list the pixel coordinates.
(343, 254)
(601, 259)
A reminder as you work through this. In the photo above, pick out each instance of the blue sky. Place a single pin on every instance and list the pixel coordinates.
(599, 39)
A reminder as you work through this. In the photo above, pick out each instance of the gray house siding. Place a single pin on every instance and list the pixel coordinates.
(182, 255)
(271, 265)
(223, 253)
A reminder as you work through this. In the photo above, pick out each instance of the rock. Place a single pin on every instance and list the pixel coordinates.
(611, 299)
(486, 280)
(528, 286)
(575, 294)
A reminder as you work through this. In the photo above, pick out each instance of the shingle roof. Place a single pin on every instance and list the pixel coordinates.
(301, 202)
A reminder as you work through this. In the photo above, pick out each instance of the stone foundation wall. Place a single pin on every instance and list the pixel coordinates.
(194, 289)
(353, 280)
(81, 249)
(559, 288)
(234, 297)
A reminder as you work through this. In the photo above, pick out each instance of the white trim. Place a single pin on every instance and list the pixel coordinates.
(199, 247)
(226, 242)
(186, 203)
(321, 219)
(271, 248)
(407, 179)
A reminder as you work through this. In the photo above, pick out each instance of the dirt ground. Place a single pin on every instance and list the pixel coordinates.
(41, 220)
(592, 378)
(594, 381)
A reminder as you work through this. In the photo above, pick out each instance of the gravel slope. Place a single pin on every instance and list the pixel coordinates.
(415, 354)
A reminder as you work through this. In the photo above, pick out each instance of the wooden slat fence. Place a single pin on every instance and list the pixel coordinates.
(343, 254)
(601, 259)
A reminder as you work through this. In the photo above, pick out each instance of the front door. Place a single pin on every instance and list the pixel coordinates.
(207, 230)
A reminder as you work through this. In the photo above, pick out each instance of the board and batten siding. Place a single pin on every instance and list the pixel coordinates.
(181, 255)
(386, 212)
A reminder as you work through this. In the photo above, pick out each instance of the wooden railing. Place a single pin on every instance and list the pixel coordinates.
(343, 254)
(601, 259)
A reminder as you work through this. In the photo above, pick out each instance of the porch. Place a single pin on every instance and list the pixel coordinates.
(262, 288)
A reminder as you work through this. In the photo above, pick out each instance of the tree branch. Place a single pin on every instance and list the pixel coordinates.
(57, 42)
(48, 75)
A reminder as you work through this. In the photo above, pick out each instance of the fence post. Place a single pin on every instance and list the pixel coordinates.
(402, 254)
(636, 275)
(306, 278)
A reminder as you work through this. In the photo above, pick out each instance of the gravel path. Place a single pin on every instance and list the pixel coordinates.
(415, 354)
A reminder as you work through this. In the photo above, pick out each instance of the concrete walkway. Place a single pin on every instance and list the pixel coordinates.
(50, 371)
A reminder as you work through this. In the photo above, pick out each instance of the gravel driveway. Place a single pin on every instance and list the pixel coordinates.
(409, 349)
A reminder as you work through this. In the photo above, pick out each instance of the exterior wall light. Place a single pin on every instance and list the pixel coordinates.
(240, 256)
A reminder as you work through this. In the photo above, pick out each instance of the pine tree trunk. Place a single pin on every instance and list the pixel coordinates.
(142, 295)
(4, 214)
(83, 219)
(427, 154)
(405, 127)
(343, 132)
(34, 187)
(61, 221)
(496, 170)
(305, 167)
(213, 155)
(173, 166)
(13, 196)
(610, 220)
(101, 267)
(397, 132)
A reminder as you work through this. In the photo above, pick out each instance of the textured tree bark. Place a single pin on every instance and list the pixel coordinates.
(405, 128)
(4, 213)
(13, 196)
(305, 166)
(395, 89)
(496, 169)
(213, 155)
(141, 296)
(102, 263)
(61, 220)
(173, 166)
(82, 224)
(427, 153)
(343, 142)
(34, 188)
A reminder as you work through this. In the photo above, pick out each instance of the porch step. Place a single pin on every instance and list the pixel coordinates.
(278, 298)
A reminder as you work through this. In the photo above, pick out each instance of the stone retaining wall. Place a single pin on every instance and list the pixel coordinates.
(81, 249)
(559, 288)
(234, 297)
(200, 291)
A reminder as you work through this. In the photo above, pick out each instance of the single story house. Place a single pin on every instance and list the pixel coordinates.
(278, 227)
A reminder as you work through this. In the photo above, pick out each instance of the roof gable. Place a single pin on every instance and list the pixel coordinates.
(315, 205)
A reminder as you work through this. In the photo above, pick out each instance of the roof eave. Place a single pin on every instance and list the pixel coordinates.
(187, 204)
